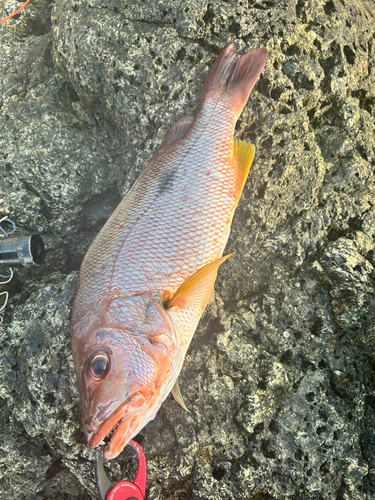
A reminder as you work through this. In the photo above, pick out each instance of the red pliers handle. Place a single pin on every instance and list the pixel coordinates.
(123, 490)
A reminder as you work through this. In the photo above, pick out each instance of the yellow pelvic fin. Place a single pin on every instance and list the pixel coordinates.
(177, 395)
(198, 290)
(244, 154)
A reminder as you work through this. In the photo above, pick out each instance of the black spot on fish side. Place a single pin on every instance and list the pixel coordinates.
(166, 181)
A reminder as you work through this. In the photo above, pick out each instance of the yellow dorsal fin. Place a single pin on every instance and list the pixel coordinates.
(177, 395)
(198, 290)
(244, 154)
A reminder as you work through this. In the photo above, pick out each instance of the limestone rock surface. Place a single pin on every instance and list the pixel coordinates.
(279, 377)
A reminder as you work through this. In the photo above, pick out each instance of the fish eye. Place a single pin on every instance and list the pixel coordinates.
(98, 366)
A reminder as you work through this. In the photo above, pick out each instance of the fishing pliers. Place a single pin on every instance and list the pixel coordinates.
(123, 490)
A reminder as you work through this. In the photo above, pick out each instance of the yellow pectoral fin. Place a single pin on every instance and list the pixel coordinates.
(177, 395)
(244, 154)
(198, 290)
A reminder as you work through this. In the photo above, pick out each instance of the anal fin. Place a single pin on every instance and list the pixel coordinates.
(177, 396)
(244, 154)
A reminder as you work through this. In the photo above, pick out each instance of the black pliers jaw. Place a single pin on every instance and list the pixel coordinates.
(123, 490)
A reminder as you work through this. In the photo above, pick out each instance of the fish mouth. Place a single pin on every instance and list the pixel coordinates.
(115, 431)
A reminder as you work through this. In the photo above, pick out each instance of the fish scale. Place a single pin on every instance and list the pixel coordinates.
(141, 256)
(147, 277)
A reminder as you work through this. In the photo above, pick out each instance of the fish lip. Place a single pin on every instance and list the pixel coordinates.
(110, 423)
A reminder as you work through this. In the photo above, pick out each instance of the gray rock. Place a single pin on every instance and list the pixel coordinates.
(279, 377)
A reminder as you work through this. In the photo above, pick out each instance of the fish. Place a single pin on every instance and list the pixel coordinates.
(150, 272)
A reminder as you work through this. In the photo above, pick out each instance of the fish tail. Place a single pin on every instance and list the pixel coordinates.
(233, 76)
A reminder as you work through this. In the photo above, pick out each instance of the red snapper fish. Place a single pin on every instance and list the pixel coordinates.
(149, 274)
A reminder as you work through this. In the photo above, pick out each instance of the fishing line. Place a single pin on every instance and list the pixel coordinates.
(7, 278)
(16, 12)
(7, 92)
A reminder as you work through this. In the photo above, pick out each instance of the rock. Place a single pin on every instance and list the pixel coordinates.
(279, 376)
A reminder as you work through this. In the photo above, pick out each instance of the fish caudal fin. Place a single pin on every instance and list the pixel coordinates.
(243, 152)
(234, 75)
(198, 290)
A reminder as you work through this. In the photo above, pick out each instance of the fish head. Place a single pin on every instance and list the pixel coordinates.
(123, 364)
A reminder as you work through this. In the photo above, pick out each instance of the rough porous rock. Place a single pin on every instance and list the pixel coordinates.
(279, 378)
